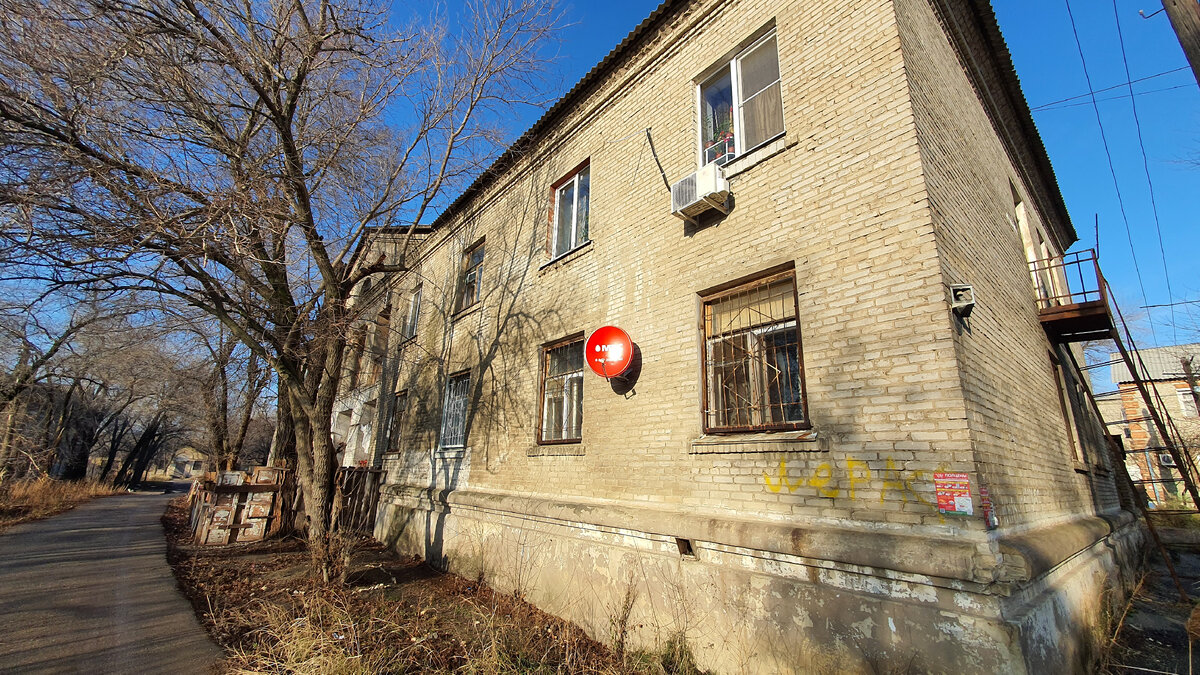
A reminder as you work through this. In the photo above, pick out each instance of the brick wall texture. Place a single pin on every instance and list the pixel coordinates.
(895, 177)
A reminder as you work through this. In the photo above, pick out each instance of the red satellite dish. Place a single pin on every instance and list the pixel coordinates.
(608, 351)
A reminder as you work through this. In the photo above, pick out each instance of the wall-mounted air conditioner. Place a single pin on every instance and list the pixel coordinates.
(1166, 459)
(705, 190)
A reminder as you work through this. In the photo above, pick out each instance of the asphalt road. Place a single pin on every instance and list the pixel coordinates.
(89, 591)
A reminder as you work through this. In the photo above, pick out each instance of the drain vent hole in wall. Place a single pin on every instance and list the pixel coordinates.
(685, 547)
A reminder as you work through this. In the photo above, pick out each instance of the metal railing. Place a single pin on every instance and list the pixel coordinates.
(1072, 279)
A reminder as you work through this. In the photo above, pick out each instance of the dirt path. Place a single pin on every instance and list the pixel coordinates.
(89, 591)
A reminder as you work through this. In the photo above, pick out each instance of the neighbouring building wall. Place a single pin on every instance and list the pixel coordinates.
(785, 552)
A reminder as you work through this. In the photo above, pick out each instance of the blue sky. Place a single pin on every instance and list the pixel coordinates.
(1046, 57)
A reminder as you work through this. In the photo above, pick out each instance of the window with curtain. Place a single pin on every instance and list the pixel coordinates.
(562, 392)
(571, 200)
(741, 105)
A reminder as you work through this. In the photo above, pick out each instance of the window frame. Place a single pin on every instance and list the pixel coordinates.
(399, 412)
(466, 270)
(731, 66)
(1066, 406)
(451, 380)
(742, 285)
(1187, 404)
(570, 179)
(544, 360)
(412, 315)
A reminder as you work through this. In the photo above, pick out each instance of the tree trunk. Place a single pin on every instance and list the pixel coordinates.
(114, 446)
(283, 441)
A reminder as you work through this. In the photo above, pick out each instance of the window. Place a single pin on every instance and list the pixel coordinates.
(378, 345)
(562, 392)
(1186, 402)
(571, 200)
(741, 106)
(1067, 407)
(409, 329)
(454, 412)
(468, 283)
(353, 358)
(752, 366)
(399, 410)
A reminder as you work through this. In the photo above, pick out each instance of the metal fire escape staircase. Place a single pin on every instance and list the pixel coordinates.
(1075, 305)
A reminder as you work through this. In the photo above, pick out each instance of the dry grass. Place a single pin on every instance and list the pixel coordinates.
(23, 500)
(394, 616)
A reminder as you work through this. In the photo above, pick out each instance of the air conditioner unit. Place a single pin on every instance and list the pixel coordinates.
(1166, 459)
(705, 190)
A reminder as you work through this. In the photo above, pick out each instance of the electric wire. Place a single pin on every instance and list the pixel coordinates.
(1064, 106)
(1149, 183)
(1115, 86)
(1111, 167)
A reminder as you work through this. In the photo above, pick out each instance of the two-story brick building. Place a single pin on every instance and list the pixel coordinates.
(827, 453)
(1166, 377)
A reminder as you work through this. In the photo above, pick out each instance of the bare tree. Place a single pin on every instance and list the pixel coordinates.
(230, 154)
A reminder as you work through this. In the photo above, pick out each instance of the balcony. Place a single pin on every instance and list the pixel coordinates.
(1072, 297)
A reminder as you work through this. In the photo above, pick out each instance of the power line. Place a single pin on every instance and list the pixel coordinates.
(1063, 106)
(1111, 167)
(1115, 86)
(1172, 304)
(1146, 167)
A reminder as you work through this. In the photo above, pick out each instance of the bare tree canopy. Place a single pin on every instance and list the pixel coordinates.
(230, 154)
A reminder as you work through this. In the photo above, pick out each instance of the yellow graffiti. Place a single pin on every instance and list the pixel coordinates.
(850, 466)
(821, 477)
(858, 474)
(783, 479)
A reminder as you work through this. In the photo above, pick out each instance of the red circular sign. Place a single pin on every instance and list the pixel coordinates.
(608, 351)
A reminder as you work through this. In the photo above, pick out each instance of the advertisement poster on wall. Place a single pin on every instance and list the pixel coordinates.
(953, 493)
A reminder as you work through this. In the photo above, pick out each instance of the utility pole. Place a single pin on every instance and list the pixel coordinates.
(1185, 19)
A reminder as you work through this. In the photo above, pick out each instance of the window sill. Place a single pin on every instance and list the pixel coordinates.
(556, 449)
(454, 452)
(466, 311)
(763, 152)
(1080, 467)
(804, 440)
(563, 259)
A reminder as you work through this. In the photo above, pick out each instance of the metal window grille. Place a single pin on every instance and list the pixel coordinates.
(454, 412)
(562, 387)
(752, 371)
(469, 284)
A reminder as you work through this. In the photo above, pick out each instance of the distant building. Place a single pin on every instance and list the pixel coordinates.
(186, 464)
(1125, 410)
(855, 433)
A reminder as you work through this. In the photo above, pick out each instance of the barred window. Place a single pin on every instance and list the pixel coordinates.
(468, 284)
(454, 412)
(562, 392)
(752, 369)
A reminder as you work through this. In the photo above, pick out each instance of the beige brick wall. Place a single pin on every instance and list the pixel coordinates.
(1018, 434)
(888, 184)
(843, 201)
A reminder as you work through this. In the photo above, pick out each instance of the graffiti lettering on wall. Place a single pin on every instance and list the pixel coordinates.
(858, 475)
